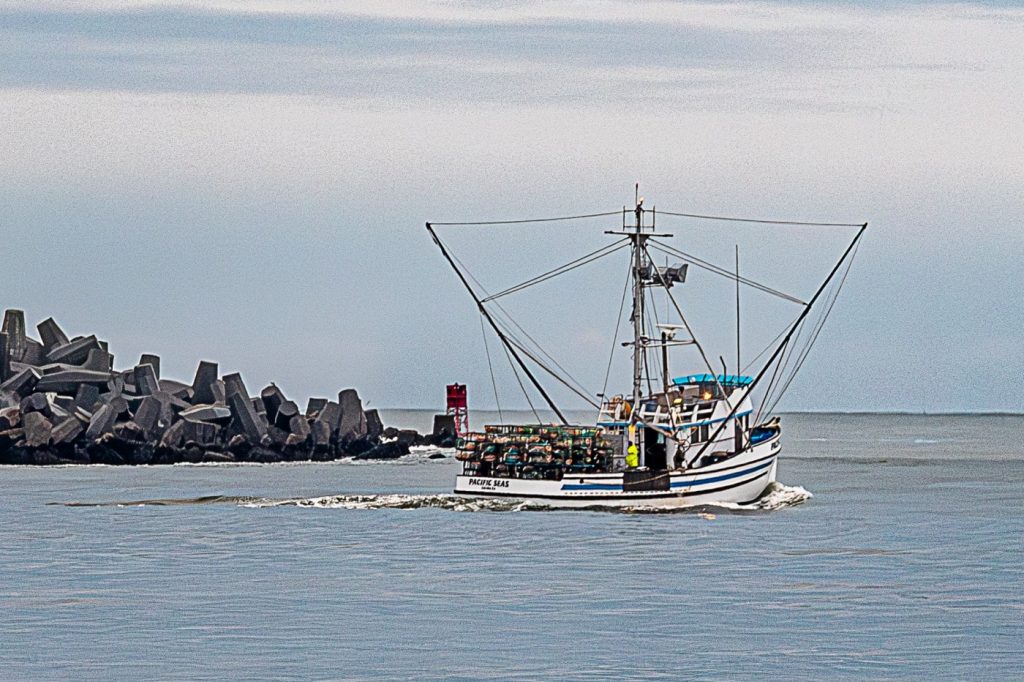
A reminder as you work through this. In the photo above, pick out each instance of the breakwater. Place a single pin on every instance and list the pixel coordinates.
(62, 402)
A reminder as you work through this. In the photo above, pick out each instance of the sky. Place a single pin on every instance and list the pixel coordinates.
(247, 182)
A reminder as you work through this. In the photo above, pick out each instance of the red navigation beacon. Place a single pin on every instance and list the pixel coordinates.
(457, 408)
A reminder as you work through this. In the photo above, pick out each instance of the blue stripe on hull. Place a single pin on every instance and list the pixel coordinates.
(617, 487)
(723, 477)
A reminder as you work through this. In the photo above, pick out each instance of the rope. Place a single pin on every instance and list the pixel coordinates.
(529, 220)
(756, 220)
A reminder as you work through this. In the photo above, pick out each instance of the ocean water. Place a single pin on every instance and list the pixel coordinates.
(905, 560)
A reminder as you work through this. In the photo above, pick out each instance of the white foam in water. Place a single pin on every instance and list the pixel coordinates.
(401, 501)
(778, 496)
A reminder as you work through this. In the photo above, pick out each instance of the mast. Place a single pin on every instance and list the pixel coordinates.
(638, 305)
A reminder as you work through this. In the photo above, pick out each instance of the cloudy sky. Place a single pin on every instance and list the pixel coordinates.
(247, 182)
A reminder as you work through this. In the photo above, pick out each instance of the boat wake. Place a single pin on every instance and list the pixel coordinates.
(778, 496)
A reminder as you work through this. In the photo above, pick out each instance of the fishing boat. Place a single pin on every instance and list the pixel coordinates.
(693, 439)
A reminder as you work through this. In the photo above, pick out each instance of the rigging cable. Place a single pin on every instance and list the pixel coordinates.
(490, 368)
(775, 373)
(718, 270)
(771, 344)
(528, 220)
(756, 220)
(689, 330)
(817, 330)
(501, 335)
(520, 382)
(650, 335)
(618, 324)
(562, 269)
(579, 388)
(775, 355)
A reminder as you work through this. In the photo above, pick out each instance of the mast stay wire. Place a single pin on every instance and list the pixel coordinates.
(718, 270)
(562, 269)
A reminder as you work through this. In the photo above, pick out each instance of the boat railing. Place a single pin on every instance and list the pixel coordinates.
(653, 412)
(615, 410)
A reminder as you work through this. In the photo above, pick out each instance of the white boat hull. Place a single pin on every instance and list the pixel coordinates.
(737, 480)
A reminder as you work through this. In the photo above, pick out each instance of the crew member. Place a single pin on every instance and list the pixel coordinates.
(632, 456)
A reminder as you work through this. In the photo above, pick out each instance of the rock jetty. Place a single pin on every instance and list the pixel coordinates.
(62, 402)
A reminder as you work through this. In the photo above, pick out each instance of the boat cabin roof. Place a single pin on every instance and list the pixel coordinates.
(730, 380)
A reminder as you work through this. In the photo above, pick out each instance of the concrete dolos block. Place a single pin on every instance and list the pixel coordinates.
(151, 360)
(102, 422)
(22, 383)
(75, 352)
(245, 418)
(444, 425)
(69, 381)
(145, 381)
(87, 395)
(14, 327)
(99, 360)
(233, 384)
(272, 399)
(202, 385)
(299, 427)
(38, 429)
(353, 421)
(314, 405)
(331, 416)
(374, 425)
(67, 431)
(51, 334)
(5, 358)
(285, 414)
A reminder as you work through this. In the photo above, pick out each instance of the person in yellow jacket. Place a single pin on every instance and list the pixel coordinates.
(632, 456)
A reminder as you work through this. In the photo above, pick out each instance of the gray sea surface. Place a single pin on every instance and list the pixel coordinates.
(907, 562)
